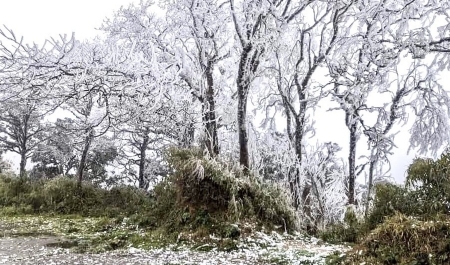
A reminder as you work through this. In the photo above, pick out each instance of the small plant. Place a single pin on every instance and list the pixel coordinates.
(347, 232)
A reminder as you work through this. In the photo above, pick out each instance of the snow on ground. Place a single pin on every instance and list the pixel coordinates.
(259, 249)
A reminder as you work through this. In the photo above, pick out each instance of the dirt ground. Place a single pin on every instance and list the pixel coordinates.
(33, 250)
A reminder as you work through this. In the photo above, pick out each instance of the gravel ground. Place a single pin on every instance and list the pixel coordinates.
(33, 250)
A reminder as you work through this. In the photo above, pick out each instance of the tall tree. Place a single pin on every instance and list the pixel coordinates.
(295, 64)
(189, 44)
(28, 74)
(21, 129)
(366, 64)
(258, 25)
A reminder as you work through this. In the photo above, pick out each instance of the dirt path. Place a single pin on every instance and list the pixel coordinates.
(33, 250)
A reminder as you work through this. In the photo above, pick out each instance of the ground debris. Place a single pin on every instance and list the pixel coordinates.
(262, 249)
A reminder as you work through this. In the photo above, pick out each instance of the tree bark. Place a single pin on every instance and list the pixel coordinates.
(352, 162)
(243, 134)
(369, 190)
(248, 65)
(23, 164)
(23, 139)
(188, 135)
(82, 165)
(142, 161)
(243, 86)
(212, 139)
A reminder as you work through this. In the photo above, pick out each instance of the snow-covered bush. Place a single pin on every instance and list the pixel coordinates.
(210, 188)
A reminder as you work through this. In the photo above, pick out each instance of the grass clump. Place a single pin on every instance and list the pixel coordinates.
(347, 232)
(405, 240)
(205, 197)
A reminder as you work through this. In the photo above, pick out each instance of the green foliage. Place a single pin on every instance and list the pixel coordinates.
(127, 200)
(429, 182)
(14, 192)
(64, 196)
(426, 194)
(411, 224)
(349, 231)
(206, 188)
(405, 240)
(390, 199)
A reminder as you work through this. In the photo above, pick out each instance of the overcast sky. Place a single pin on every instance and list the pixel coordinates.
(37, 20)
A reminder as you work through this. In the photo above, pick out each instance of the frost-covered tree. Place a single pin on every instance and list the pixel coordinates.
(188, 47)
(366, 64)
(21, 129)
(28, 75)
(56, 155)
(92, 86)
(145, 135)
(297, 65)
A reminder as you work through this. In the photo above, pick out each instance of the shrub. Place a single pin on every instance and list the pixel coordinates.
(64, 196)
(429, 182)
(207, 187)
(15, 191)
(426, 194)
(389, 199)
(126, 200)
(349, 231)
(406, 240)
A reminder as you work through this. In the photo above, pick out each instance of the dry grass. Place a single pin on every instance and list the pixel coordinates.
(209, 187)
(406, 240)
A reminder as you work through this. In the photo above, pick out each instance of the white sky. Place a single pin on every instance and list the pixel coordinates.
(37, 20)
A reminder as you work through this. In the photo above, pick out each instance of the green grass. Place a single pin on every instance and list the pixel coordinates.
(84, 234)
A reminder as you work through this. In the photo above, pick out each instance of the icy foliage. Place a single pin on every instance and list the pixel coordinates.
(243, 80)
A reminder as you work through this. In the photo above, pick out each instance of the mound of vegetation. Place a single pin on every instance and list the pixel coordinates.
(63, 196)
(405, 240)
(203, 195)
(426, 193)
(410, 224)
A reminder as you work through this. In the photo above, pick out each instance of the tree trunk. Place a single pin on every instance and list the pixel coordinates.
(298, 145)
(294, 173)
(370, 185)
(243, 86)
(142, 161)
(243, 134)
(352, 162)
(23, 146)
(294, 186)
(212, 140)
(82, 165)
(188, 134)
(23, 164)
(294, 182)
